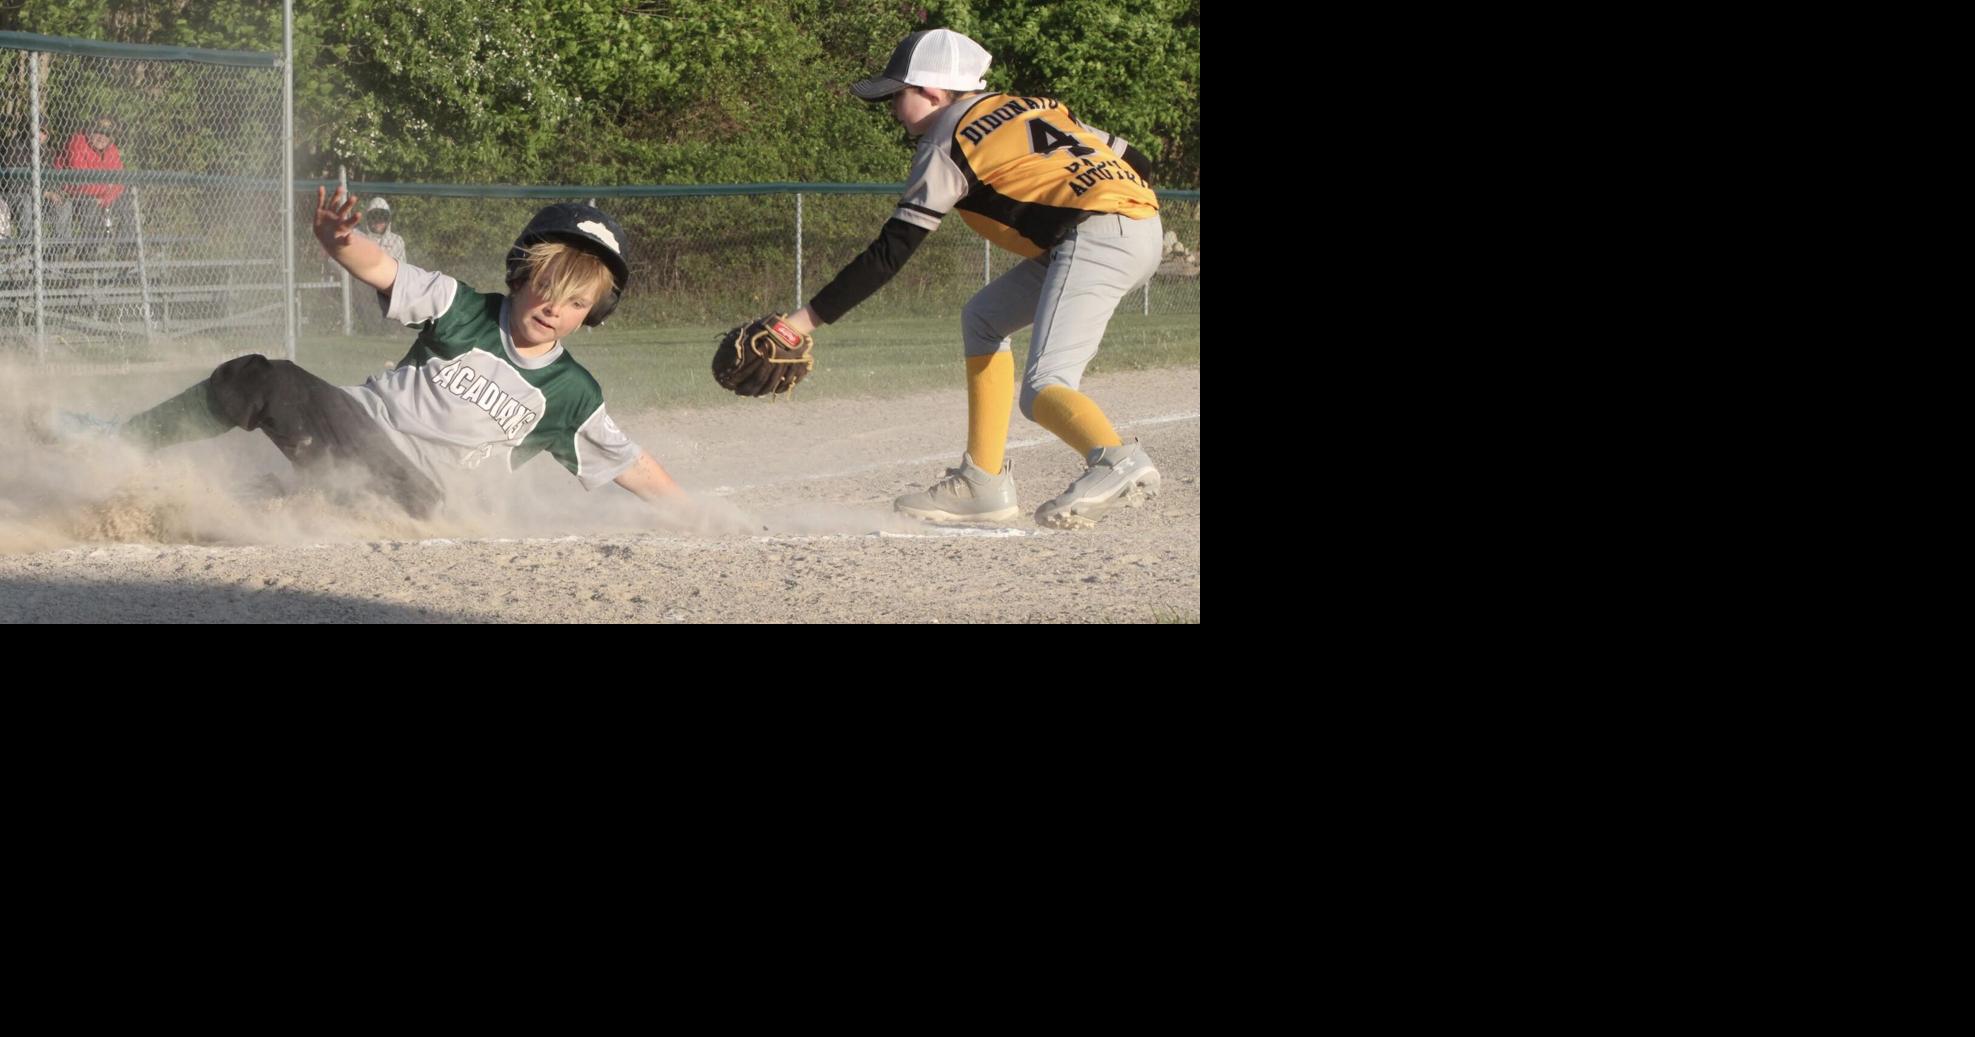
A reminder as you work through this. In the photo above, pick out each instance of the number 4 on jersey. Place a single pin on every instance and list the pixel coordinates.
(1044, 138)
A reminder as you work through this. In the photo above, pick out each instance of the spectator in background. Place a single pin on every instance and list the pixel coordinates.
(99, 206)
(17, 190)
(377, 227)
(16, 183)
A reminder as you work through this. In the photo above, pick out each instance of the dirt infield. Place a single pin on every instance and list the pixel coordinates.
(222, 531)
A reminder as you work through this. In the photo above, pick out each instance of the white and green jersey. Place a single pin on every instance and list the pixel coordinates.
(462, 397)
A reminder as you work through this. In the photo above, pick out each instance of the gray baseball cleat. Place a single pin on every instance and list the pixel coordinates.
(1117, 475)
(967, 494)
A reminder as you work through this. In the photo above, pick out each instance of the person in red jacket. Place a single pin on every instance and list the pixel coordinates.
(96, 204)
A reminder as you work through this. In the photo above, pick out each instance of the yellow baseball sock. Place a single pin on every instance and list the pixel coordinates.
(990, 392)
(1075, 419)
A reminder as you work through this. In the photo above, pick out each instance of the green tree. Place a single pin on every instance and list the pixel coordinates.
(660, 91)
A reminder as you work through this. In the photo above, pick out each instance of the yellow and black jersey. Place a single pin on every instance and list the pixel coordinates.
(1022, 171)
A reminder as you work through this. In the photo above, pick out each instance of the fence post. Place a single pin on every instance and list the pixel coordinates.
(294, 307)
(343, 184)
(798, 251)
(40, 212)
(143, 264)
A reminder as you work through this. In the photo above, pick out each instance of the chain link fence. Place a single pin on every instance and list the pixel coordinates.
(144, 224)
(143, 203)
(717, 255)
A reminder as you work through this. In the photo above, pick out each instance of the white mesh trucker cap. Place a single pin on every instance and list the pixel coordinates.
(935, 57)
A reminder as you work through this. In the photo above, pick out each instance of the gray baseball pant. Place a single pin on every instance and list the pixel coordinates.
(1069, 295)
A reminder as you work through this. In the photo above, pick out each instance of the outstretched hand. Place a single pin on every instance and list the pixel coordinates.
(335, 217)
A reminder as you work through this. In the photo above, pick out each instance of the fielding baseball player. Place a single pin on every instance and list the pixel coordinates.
(1073, 201)
(486, 386)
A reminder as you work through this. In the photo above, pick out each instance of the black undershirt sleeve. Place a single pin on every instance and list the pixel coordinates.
(1139, 163)
(869, 271)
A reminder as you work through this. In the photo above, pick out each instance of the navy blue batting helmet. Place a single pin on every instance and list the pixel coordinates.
(587, 228)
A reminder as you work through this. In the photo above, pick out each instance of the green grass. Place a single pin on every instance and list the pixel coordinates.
(663, 367)
(670, 367)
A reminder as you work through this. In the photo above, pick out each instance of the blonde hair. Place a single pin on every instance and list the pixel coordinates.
(560, 271)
